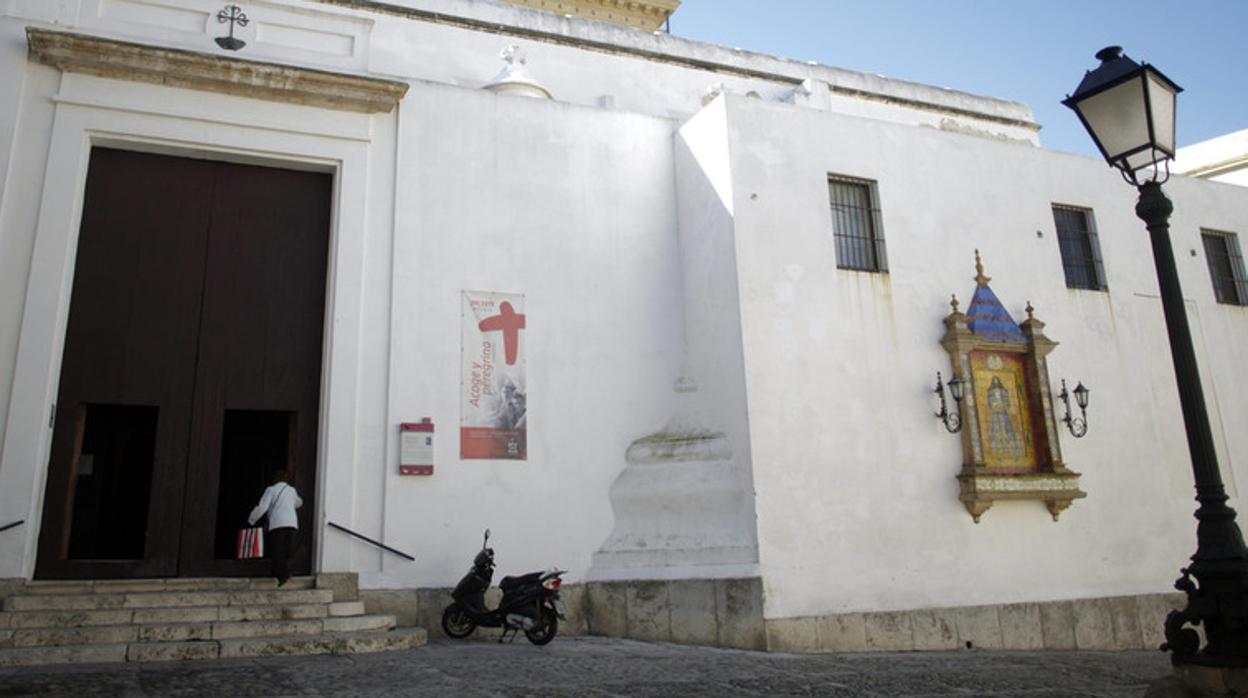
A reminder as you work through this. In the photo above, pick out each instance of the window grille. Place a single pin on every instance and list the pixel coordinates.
(856, 224)
(1226, 267)
(1081, 251)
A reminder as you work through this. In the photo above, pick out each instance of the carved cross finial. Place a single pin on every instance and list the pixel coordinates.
(234, 15)
(1030, 311)
(513, 55)
(979, 271)
(953, 303)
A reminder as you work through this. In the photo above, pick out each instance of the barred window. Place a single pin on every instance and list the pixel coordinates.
(1226, 267)
(1081, 252)
(856, 224)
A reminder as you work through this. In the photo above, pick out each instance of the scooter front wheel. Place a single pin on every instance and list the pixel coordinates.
(546, 628)
(456, 622)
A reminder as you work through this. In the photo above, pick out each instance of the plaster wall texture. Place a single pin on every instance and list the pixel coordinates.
(59, 118)
(857, 501)
(658, 241)
(669, 78)
(358, 149)
(24, 168)
(712, 316)
(1238, 177)
(574, 208)
(581, 61)
(642, 15)
(1221, 159)
(384, 40)
(683, 507)
(15, 249)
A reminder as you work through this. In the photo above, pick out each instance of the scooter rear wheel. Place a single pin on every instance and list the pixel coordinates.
(546, 629)
(456, 622)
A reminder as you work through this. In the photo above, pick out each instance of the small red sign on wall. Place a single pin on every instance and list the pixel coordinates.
(416, 448)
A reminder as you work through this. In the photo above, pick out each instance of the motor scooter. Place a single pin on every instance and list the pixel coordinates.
(530, 602)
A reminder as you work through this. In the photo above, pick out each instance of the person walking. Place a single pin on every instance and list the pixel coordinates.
(279, 501)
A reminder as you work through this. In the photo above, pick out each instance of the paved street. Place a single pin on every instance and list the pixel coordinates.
(587, 666)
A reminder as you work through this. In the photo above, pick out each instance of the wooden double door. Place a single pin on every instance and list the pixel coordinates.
(192, 365)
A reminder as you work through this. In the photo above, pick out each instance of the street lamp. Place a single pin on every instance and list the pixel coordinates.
(1128, 109)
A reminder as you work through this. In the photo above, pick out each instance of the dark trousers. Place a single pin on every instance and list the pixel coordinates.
(281, 547)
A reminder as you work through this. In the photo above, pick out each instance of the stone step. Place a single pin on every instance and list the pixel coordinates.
(121, 586)
(329, 643)
(185, 632)
(338, 609)
(163, 599)
(326, 643)
(24, 656)
(53, 622)
(183, 614)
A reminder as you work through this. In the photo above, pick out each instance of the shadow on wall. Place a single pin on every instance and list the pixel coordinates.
(683, 504)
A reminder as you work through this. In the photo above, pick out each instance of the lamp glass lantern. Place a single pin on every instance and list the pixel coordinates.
(1128, 109)
(955, 388)
(1081, 396)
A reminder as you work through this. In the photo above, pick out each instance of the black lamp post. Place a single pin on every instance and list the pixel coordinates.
(1128, 108)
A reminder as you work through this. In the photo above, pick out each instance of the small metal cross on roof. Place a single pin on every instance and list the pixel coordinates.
(234, 15)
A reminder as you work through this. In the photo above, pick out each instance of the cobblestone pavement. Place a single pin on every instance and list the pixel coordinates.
(589, 666)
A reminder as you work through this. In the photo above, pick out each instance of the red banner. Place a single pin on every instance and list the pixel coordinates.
(494, 415)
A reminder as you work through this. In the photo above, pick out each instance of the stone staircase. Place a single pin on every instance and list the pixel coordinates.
(149, 620)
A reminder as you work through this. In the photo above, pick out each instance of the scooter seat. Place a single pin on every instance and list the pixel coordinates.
(512, 582)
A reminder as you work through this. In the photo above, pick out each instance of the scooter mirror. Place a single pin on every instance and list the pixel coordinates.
(487, 538)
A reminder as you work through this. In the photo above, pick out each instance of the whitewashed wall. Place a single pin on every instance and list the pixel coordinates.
(600, 217)
(575, 208)
(18, 186)
(24, 154)
(588, 62)
(1221, 159)
(857, 497)
(59, 118)
(684, 506)
(584, 62)
(572, 206)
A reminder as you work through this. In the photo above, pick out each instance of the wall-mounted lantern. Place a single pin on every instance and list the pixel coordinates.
(1078, 426)
(951, 420)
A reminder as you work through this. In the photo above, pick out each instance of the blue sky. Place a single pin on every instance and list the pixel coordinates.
(1031, 51)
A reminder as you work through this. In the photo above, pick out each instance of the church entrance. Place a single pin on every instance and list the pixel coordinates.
(192, 365)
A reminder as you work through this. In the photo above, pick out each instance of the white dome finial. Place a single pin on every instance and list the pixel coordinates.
(514, 77)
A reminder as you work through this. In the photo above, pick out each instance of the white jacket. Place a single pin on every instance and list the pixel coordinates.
(283, 499)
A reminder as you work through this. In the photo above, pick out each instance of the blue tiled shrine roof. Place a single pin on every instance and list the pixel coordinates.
(988, 319)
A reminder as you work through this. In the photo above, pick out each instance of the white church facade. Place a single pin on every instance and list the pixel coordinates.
(664, 314)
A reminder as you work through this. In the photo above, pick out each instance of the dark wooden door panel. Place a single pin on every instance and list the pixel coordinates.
(133, 328)
(198, 289)
(260, 344)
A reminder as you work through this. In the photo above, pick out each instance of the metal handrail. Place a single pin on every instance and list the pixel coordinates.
(366, 539)
(15, 524)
